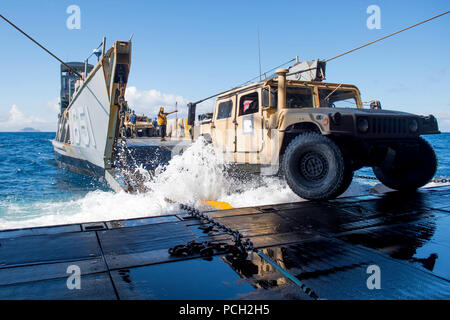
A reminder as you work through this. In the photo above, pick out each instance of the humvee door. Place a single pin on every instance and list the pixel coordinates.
(223, 128)
(249, 122)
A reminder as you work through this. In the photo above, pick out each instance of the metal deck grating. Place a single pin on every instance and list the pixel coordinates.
(327, 245)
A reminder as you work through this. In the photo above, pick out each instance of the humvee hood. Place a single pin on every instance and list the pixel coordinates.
(355, 111)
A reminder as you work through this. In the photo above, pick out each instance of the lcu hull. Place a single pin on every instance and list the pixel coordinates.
(88, 127)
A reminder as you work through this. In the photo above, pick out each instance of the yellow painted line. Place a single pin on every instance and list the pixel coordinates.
(221, 205)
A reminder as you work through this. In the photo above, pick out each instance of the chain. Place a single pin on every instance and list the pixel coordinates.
(441, 180)
(240, 248)
(123, 159)
(365, 177)
(435, 180)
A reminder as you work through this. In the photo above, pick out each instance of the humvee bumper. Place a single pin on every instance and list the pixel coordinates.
(382, 126)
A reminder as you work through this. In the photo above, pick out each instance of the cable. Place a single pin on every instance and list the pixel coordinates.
(389, 35)
(93, 52)
(45, 49)
(267, 72)
(244, 83)
(215, 95)
(338, 56)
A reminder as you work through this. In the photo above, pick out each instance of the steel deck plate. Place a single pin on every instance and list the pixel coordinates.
(328, 245)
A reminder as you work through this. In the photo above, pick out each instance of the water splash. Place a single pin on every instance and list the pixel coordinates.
(197, 174)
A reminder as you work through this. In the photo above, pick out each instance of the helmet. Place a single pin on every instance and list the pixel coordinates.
(132, 111)
(161, 109)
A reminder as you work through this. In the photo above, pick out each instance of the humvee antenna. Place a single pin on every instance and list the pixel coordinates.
(259, 56)
(40, 45)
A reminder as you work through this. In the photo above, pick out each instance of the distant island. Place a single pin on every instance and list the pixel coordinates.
(28, 129)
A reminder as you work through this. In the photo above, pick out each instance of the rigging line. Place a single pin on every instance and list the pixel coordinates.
(387, 36)
(332, 92)
(293, 59)
(45, 49)
(342, 54)
(218, 94)
(93, 52)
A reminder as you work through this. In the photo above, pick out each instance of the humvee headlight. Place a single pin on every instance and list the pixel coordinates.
(413, 125)
(363, 124)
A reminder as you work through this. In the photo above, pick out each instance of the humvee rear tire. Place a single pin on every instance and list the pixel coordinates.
(314, 167)
(411, 169)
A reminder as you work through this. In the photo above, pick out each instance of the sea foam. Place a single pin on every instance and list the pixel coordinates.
(197, 174)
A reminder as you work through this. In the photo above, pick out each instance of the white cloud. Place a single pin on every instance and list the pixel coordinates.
(142, 101)
(17, 120)
(149, 102)
(53, 105)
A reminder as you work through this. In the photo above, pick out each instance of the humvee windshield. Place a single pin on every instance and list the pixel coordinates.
(142, 119)
(295, 97)
(298, 97)
(336, 98)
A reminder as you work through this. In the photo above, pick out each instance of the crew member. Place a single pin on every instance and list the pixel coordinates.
(133, 123)
(162, 122)
(155, 126)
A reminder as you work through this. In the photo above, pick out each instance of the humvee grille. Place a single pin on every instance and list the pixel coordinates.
(386, 125)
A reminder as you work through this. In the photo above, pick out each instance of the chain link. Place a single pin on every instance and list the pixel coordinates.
(240, 245)
(434, 180)
(365, 177)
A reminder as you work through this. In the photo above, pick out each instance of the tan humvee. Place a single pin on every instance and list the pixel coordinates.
(144, 126)
(317, 134)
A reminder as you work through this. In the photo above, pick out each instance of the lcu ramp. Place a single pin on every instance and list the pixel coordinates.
(331, 246)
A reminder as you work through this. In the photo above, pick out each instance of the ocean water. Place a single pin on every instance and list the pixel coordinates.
(35, 191)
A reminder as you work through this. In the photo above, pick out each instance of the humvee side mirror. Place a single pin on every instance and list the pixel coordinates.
(375, 105)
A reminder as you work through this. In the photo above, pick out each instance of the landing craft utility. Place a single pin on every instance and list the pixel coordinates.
(92, 100)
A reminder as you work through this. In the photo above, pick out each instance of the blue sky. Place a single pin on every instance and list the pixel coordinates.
(186, 50)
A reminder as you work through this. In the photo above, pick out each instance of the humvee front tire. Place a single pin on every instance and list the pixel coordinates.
(314, 167)
(412, 168)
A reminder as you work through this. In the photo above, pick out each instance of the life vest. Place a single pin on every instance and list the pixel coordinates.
(162, 119)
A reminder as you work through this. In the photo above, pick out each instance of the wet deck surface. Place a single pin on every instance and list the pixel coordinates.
(152, 152)
(328, 246)
(156, 142)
